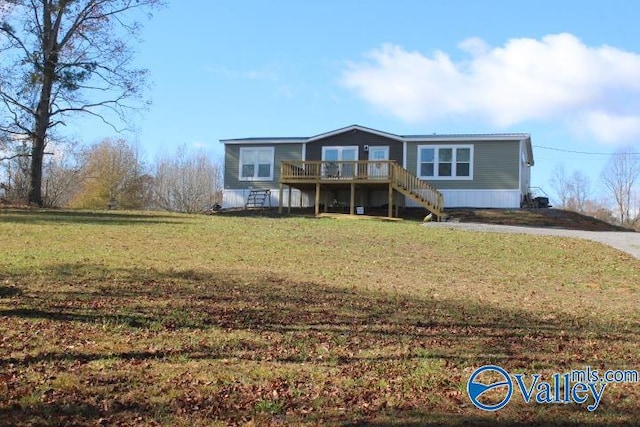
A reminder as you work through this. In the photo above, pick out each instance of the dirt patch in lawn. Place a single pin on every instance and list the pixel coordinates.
(556, 218)
(548, 218)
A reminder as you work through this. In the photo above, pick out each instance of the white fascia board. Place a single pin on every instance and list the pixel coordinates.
(466, 138)
(355, 127)
(250, 141)
(528, 150)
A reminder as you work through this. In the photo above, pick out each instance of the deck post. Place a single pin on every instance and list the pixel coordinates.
(390, 213)
(280, 196)
(317, 206)
(289, 202)
(398, 197)
(352, 202)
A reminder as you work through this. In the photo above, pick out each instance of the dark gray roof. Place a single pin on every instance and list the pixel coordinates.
(426, 137)
(470, 135)
(265, 139)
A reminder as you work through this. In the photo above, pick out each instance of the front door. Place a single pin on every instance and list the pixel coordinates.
(379, 168)
(339, 161)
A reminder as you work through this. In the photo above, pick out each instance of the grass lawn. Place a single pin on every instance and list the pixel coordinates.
(159, 319)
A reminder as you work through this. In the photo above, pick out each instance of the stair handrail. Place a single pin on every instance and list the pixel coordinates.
(404, 179)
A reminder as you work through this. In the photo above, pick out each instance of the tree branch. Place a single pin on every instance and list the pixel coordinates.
(15, 156)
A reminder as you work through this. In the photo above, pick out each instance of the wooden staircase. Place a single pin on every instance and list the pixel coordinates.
(418, 190)
(258, 199)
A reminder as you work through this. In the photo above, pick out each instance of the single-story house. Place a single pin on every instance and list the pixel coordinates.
(364, 167)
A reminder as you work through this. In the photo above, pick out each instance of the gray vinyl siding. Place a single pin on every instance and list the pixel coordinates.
(359, 138)
(495, 165)
(232, 159)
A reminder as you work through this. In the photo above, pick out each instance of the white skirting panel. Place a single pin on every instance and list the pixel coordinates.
(477, 199)
(238, 198)
(452, 198)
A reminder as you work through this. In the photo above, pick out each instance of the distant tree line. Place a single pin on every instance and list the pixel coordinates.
(619, 179)
(111, 174)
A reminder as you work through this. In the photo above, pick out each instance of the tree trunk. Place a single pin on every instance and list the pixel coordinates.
(35, 171)
(38, 142)
(43, 113)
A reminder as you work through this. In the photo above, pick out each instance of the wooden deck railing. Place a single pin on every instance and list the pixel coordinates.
(311, 171)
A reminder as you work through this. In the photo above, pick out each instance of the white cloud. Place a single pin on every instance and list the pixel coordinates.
(557, 78)
(475, 46)
(608, 128)
(268, 76)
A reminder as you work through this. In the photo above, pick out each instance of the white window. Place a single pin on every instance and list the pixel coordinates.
(445, 162)
(256, 163)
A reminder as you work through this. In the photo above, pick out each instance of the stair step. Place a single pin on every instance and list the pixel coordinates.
(258, 198)
(412, 187)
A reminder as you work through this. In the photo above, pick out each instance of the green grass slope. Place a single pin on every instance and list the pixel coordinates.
(126, 318)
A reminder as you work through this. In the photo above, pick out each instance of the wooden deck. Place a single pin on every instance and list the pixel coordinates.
(348, 174)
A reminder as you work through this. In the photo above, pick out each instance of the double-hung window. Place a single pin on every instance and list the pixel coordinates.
(256, 163)
(445, 162)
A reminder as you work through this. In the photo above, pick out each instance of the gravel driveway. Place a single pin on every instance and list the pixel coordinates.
(628, 242)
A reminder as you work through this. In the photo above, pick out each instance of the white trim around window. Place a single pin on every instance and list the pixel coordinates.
(256, 163)
(445, 162)
(342, 153)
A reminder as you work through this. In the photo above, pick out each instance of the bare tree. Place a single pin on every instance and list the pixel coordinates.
(189, 182)
(619, 178)
(599, 210)
(560, 184)
(572, 190)
(16, 175)
(58, 174)
(634, 217)
(63, 57)
(579, 187)
(61, 177)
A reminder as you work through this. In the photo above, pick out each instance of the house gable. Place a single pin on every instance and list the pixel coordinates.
(353, 128)
(355, 136)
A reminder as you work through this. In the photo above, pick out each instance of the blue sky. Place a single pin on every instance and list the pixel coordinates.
(567, 72)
